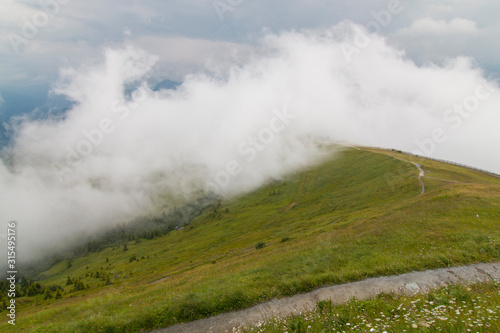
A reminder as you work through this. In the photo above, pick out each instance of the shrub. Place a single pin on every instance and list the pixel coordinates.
(69, 281)
(55, 287)
(47, 294)
(34, 289)
(260, 245)
(78, 286)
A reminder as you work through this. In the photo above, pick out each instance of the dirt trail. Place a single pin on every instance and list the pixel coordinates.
(410, 283)
(420, 175)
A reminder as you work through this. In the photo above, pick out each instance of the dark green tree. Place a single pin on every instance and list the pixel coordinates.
(47, 294)
(69, 281)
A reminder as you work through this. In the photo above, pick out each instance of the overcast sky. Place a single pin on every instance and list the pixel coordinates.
(36, 40)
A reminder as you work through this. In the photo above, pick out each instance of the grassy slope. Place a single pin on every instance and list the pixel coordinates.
(355, 216)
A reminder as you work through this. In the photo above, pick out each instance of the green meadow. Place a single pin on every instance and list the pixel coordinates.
(358, 214)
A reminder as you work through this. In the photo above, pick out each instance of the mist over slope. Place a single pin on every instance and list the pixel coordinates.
(117, 155)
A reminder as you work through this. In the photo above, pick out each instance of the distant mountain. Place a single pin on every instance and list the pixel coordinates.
(166, 84)
(33, 103)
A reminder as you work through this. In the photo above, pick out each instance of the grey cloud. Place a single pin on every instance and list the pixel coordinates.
(428, 26)
(79, 29)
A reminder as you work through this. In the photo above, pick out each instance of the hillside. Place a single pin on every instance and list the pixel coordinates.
(357, 215)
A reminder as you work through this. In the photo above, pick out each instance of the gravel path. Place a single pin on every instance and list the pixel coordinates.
(410, 283)
(419, 166)
(420, 175)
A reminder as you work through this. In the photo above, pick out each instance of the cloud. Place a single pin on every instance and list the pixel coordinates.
(431, 26)
(11, 10)
(197, 52)
(431, 40)
(123, 148)
(79, 28)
